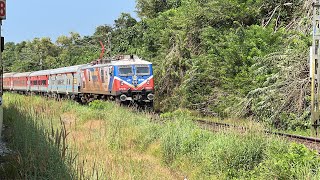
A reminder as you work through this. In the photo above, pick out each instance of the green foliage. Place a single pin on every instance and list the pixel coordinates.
(181, 138)
(229, 155)
(179, 113)
(151, 8)
(97, 104)
(293, 162)
(179, 143)
(41, 152)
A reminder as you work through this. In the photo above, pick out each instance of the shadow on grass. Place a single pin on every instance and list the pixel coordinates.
(40, 153)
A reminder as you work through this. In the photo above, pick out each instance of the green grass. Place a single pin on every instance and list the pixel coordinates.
(249, 123)
(40, 151)
(113, 142)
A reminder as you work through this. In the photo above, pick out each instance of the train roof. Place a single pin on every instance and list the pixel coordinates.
(8, 74)
(57, 71)
(126, 60)
(22, 74)
(118, 61)
(67, 69)
(40, 73)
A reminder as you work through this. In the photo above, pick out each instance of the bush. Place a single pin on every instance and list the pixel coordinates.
(97, 104)
(289, 162)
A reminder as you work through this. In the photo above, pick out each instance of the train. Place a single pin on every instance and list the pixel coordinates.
(124, 79)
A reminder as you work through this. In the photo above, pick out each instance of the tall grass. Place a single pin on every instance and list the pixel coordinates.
(106, 141)
(41, 152)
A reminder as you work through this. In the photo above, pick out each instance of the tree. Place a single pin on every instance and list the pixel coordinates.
(124, 21)
(151, 8)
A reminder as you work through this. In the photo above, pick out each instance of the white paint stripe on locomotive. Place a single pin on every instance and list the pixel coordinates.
(125, 82)
(145, 81)
(130, 85)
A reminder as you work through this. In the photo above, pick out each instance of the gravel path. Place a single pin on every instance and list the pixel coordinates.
(3, 149)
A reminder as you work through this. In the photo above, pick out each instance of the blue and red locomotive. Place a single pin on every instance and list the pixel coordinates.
(125, 79)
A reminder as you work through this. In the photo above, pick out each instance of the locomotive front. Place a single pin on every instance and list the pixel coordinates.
(134, 80)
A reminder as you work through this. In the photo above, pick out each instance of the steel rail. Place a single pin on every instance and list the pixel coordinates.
(305, 138)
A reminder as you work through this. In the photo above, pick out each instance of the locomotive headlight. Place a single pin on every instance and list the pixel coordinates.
(121, 83)
(148, 82)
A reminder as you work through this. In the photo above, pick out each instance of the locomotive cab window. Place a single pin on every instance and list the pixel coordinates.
(125, 71)
(142, 70)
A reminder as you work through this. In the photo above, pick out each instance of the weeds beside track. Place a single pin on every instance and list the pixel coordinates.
(120, 143)
(310, 142)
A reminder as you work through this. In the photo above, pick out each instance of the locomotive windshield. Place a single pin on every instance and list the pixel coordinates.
(142, 70)
(125, 71)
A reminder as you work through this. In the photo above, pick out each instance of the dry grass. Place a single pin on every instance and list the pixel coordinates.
(103, 141)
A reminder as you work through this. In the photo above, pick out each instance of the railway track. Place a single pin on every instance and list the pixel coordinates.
(310, 142)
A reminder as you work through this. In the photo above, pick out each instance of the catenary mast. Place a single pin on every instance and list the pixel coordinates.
(315, 69)
(2, 17)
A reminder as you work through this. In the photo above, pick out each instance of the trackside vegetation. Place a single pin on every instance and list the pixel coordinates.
(107, 141)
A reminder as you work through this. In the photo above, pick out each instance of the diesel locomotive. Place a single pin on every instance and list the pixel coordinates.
(123, 78)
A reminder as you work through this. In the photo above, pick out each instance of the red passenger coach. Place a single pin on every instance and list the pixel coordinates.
(39, 81)
(7, 81)
(20, 81)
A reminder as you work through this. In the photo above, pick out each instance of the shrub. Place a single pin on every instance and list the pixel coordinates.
(289, 162)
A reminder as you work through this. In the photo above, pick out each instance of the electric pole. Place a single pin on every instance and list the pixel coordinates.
(315, 69)
(3, 13)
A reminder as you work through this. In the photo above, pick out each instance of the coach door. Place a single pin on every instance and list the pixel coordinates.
(110, 78)
(107, 73)
(72, 82)
(55, 84)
